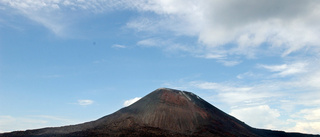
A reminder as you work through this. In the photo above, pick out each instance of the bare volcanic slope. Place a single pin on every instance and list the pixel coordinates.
(163, 112)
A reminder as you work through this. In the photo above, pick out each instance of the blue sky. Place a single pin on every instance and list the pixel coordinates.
(65, 62)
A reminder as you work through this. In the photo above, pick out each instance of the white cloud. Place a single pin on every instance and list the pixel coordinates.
(286, 69)
(312, 79)
(240, 98)
(248, 75)
(85, 102)
(219, 87)
(310, 114)
(311, 127)
(220, 56)
(119, 46)
(234, 94)
(145, 24)
(261, 116)
(276, 67)
(213, 56)
(151, 42)
(298, 90)
(168, 45)
(307, 121)
(248, 25)
(131, 101)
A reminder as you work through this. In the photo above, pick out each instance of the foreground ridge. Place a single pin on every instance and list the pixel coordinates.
(163, 112)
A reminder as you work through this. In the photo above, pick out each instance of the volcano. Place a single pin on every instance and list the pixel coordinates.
(163, 112)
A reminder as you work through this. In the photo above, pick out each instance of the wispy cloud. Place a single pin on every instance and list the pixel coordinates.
(151, 42)
(131, 101)
(167, 45)
(248, 75)
(218, 86)
(39, 11)
(56, 14)
(286, 69)
(229, 62)
(85, 102)
(119, 46)
(261, 116)
(212, 56)
(234, 94)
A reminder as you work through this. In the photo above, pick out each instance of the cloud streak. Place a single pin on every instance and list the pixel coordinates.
(236, 95)
(119, 46)
(286, 69)
(85, 102)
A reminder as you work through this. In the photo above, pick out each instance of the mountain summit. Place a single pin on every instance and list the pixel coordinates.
(163, 112)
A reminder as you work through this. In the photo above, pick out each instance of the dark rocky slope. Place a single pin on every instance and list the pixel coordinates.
(164, 112)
